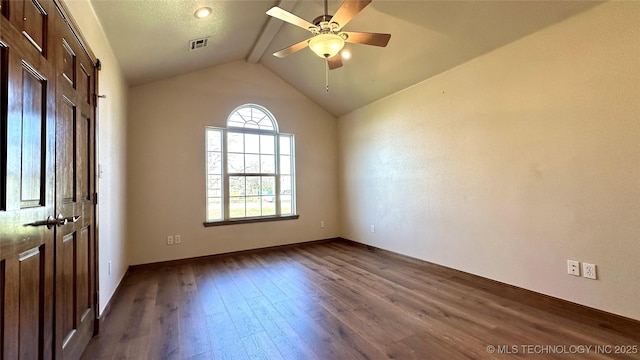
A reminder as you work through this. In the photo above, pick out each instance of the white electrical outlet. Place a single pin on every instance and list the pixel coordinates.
(373, 228)
(109, 267)
(170, 240)
(589, 271)
(178, 239)
(573, 267)
(321, 223)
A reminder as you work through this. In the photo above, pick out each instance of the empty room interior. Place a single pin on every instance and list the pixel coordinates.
(455, 180)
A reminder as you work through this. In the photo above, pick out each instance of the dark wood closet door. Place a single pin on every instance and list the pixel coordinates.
(47, 185)
(75, 243)
(27, 188)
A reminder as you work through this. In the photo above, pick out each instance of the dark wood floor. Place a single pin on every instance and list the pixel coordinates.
(334, 300)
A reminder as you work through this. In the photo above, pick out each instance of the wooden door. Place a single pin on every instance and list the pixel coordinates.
(47, 185)
(27, 189)
(75, 194)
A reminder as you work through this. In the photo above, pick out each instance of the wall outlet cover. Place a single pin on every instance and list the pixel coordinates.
(573, 267)
(589, 271)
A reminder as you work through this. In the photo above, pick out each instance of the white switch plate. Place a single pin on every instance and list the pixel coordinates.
(178, 239)
(573, 267)
(373, 228)
(321, 223)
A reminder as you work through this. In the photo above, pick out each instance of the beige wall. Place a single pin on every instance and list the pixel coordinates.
(111, 153)
(512, 163)
(166, 162)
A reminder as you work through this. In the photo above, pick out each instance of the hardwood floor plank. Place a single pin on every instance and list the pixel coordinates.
(334, 300)
(132, 348)
(224, 337)
(193, 335)
(165, 332)
(285, 338)
(141, 314)
(207, 289)
(260, 346)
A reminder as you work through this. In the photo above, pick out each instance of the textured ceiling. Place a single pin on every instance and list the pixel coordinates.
(150, 39)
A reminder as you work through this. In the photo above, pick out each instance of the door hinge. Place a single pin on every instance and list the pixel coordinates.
(95, 198)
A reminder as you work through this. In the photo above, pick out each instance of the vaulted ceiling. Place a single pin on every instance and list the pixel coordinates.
(151, 38)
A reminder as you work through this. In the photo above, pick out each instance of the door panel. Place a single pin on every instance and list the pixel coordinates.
(66, 157)
(32, 302)
(84, 137)
(75, 242)
(35, 19)
(27, 160)
(33, 122)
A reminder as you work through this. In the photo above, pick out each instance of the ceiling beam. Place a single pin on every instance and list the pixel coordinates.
(269, 33)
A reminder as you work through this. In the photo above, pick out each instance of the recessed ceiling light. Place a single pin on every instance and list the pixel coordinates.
(202, 12)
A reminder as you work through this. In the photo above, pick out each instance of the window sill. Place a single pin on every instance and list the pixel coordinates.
(250, 220)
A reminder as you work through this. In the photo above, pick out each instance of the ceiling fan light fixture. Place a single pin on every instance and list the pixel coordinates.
(326, 45)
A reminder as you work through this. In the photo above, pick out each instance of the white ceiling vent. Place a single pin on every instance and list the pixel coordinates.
(198, 43)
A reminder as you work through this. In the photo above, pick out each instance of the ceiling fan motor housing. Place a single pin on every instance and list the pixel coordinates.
(322, 18)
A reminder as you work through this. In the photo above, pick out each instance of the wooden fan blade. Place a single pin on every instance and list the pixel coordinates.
(335, 62)
(284, 15)
(374, 39)
(348, 10)
(291, 49)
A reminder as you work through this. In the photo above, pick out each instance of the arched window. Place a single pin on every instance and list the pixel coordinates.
(250, 168)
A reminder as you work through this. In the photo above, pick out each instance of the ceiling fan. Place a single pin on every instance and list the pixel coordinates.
(328, 38)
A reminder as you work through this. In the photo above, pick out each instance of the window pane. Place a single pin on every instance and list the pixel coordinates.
(253, 164)
(236, 207)
(266, 123)
(268, 206)
(252, 143)
(214, 163)
(268, 185)
(245, 112)
(214, 186)
(285, 184)
(267, 145)
(285, 204)
(268, 165)
(285, 145)
(214, 140)
(285, 164)
(214, 209)
(253, 185)
(236, 186)
(235, 120)
(236, 163)
(253, 206)
(251, 125)
(235, 142)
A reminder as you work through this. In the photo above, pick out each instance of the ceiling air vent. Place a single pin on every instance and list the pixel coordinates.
(196, 44)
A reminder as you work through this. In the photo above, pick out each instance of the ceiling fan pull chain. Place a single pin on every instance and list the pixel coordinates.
(326, 73)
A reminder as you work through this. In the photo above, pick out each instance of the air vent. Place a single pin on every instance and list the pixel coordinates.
(196, 44)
